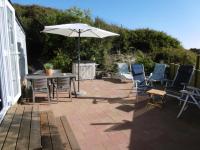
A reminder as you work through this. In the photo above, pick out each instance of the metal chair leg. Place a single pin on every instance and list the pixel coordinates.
(70, 94)
(53, 90)
(73, 80)
(182, 109)
(195, 101)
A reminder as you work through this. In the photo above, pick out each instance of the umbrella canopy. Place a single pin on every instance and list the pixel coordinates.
(78, 30)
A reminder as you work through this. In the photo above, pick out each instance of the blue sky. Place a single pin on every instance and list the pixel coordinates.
(178, 18)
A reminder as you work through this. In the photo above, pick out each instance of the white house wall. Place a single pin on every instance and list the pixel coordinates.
(13, 54)
(3, 73)
(9, 58)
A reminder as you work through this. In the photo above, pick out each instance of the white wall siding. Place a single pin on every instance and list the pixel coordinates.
(3, 73)
(9, 56)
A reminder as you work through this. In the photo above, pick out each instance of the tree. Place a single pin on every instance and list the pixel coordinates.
(154, 45)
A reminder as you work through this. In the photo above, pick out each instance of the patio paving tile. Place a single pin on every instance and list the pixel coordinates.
(117, 122)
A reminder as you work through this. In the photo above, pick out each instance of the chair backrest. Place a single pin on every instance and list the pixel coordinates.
(123, 68)
(183, 75)
(138, 73)
(63, 83)
(159, 72)
(40, 83)
(55, 71)
(39, 72)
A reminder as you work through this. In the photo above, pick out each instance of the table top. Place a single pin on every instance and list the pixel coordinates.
(156, 92)
(56, 75)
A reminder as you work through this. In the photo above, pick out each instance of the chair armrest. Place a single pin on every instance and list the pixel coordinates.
(186, 92)
(168, 82)
(192, 88)
(184, 84)
(124, 73)
(189, 93)
(127, 76)
(138, 81)
(148, 77)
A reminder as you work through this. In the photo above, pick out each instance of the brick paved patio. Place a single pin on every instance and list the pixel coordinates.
(108, 119)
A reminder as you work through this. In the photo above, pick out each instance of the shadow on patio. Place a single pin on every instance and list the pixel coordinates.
(155, 129)
(117, 122)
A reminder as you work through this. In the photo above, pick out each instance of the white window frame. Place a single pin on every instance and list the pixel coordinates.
(14, 98)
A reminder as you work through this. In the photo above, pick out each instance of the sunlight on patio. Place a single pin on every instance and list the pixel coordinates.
(108, 117)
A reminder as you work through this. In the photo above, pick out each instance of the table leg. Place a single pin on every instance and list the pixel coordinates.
(53, 90)
(73, 81)
(152, 101)
(49, 91)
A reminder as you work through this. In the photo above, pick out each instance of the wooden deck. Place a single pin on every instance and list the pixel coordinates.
(56, 133)
(20, 129)
(24, 127)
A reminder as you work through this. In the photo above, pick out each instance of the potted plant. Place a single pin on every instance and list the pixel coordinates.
(48, 69)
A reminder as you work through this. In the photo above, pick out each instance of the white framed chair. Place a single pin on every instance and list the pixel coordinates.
(123, 72)
(190, 95)
(158, 74)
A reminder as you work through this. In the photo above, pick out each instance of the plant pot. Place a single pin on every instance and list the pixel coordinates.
(49, 72)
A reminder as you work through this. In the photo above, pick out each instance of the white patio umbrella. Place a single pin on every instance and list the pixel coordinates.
(78, 30)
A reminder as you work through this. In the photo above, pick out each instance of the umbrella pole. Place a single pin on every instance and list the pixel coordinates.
(79, 59)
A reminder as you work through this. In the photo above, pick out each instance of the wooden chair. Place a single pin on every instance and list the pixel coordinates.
(52, 83)
(55, 71)
(63, 84)
(40, 86)
(39, 72)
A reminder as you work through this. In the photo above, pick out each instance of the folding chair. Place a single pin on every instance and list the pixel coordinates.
(190, 95)
(158, 75)
(181, 80)
(123, 72)
(140, 80)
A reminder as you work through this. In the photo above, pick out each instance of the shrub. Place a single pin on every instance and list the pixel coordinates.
(61, 61)
(148, 63)
(171, 55)
(48, 66)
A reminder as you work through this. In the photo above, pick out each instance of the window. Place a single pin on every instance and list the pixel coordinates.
(13, 54)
